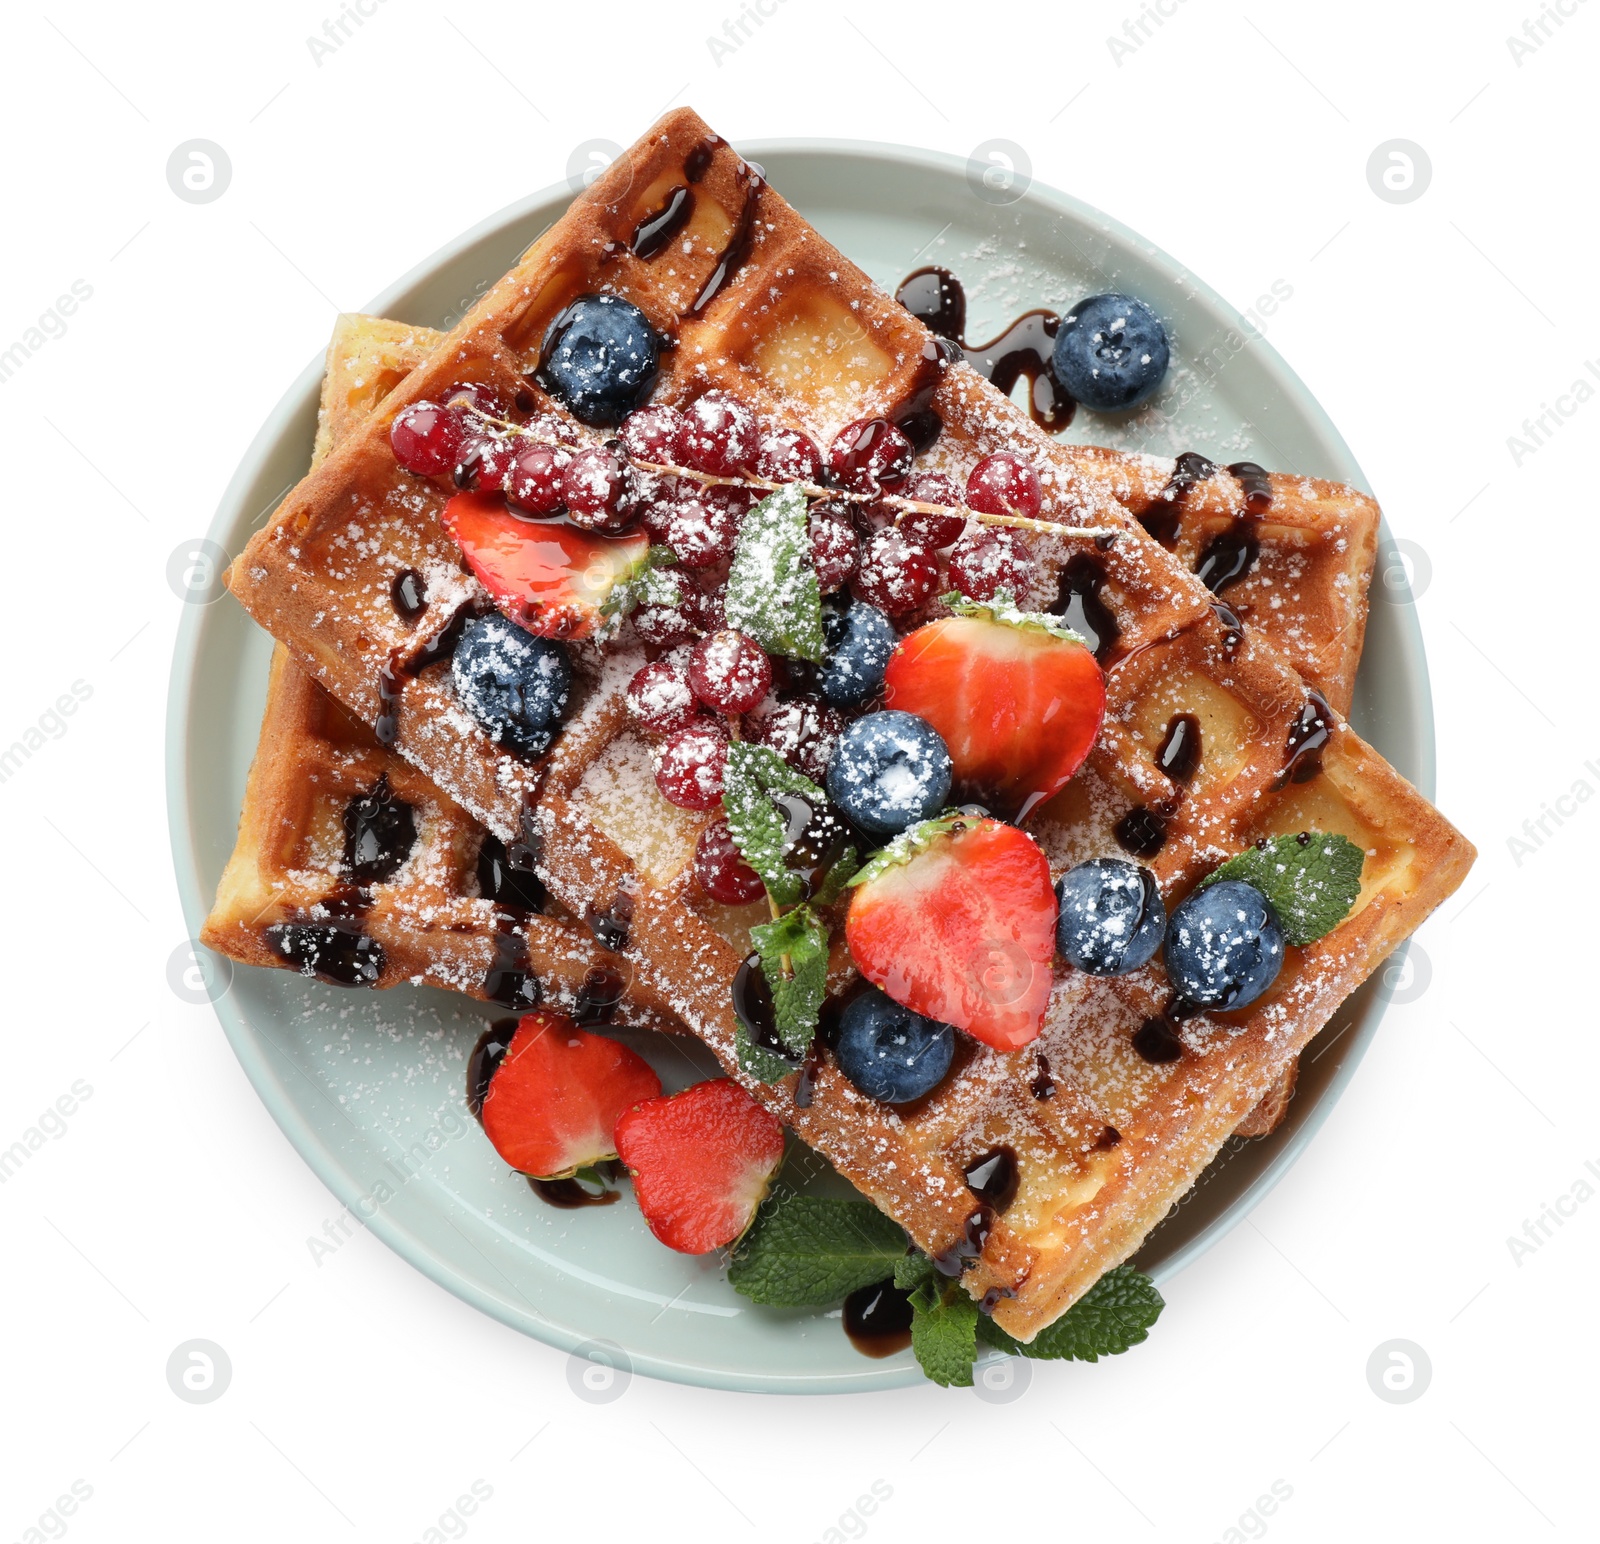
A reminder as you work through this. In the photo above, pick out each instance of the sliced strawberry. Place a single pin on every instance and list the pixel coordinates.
(1017, 698)
(553, 1101)
(546, 575)
(701, 1162)
(956, 920)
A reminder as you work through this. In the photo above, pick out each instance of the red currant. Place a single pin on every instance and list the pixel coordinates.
(651, 434)
(592, 487)
(718, 435)
(701, 528)
(894, 576)
(689, 765)
(834, 547)
(869, 454)
(730, 671)
(1004, 484)
(466, 396)
(426, 438)
(932, 532)
(988, 560)
(485, 461)
(665, 626)
(802, 730)
(708, 606)
(660, 698)
(721, 872)
(786, 455)
(534, 482)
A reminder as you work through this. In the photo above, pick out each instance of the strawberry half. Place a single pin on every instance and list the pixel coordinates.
(701, 1162)
(956, 920)
(546, 575)
(553, 1101)
(1016, 696)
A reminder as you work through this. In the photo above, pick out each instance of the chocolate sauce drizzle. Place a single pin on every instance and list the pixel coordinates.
(1256, 484)
(379, 833)
(509, 981)
(1163, 517)
(338, 952)
(598, 997)
(1228, 556)
(612, 926)
(732, 257)
(993, 1178)
(936, 298)
(1308, 738)
(878, 1318)
(1232, 625)
(408, 595)
(1179, 752)
(656, 229)
(499, 881)
(1141, 832)
(1043, 1085)
(1079, 605)
(405, 663)
(1156, 1041)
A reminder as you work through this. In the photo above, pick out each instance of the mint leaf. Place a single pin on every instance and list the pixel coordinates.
(1115, 1313)
(773, 593)
(1311, 879)
(944, 1321)
(806, 1252)
(1003, 608)
(648, 585)
(800, 937)
(752, 774)
(763, 1065)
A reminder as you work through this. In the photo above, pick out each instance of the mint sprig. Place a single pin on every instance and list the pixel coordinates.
(752, 775)
(944, 1322)
(1115, 1313)
(1311, 879)
(800, 939)
(773, 592)
(648, 585)
(808, 1252)
(757, 1061)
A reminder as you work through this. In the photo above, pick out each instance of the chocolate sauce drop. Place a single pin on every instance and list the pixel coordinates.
(482, 1061)
(956, 1257)
(657, 228)
(499, 881)
(805, 1087)
(993, 1298)
(878, 1318)
(508, 980)
(405, 663)
(1155, 1041)
(1228, 557)
(1079, 605)
(1257, 486)
(612, 926)
(339, 953)
(598, 997)
(1141, 832)
(1163, 517)
(408, 594)
(815, 837)
(1308, 738)
(567, 1194)
(1179, 753)
(1232, 625)
(752, 1003)
(698, 161)
(1043, 1085)
(994, 1178)
(379, 833)
(732, 257)
(1024, 349)
(1107, 1139)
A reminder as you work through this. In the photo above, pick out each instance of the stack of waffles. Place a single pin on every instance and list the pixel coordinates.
(757, 304)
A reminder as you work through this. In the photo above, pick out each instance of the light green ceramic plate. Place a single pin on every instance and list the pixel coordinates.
(369, 1087)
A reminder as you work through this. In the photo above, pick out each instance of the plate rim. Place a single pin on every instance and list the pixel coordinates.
(252, 1048)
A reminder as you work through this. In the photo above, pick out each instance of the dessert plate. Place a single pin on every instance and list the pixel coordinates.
(369, 1086)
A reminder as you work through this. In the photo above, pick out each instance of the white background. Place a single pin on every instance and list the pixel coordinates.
(365, 1400)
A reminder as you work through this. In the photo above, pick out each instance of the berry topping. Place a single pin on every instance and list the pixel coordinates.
(702, 526)
(592, 488)
(472, 397)
(513, 684)
(895, 576)
(660, 699)
(989, 559)
(485, 459)
(533, 483)
(555, 1099)
(689, 765)
(869, 454)
(600, 358)
(551, 579)
(721, 872)
(701, 1162)
(651, 433)
(889, 1052)
(933, 532)
(889, 770)
(718, 434)
(426, 438)
(1017, 699)
(1111, 352)
(1005, 484)
(956, 921)
(1224, 945)
(802, 730)
(666, 626)
(834, 546)
(730, 672)
(860, 640)
(785, 455)
(1112, 919)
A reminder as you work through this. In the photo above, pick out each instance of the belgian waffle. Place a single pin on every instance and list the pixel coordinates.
(288, 897)
(761, 306)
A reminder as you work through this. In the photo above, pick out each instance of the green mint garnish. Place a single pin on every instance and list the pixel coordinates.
(1311, 879)
(800, 937)
(753, 773)
(648, 585)
(773, 593)
(757, 1061)
(1003, 608)
(944, 1322)
(807, 1252)
(1115, 1313)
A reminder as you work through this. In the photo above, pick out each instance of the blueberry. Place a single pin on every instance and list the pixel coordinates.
(889, 1052)
(515, 685)
(1111, 352)
(1224, 945)
(860, 640)
(889, 770)
(600, 358)
(1111, 919)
